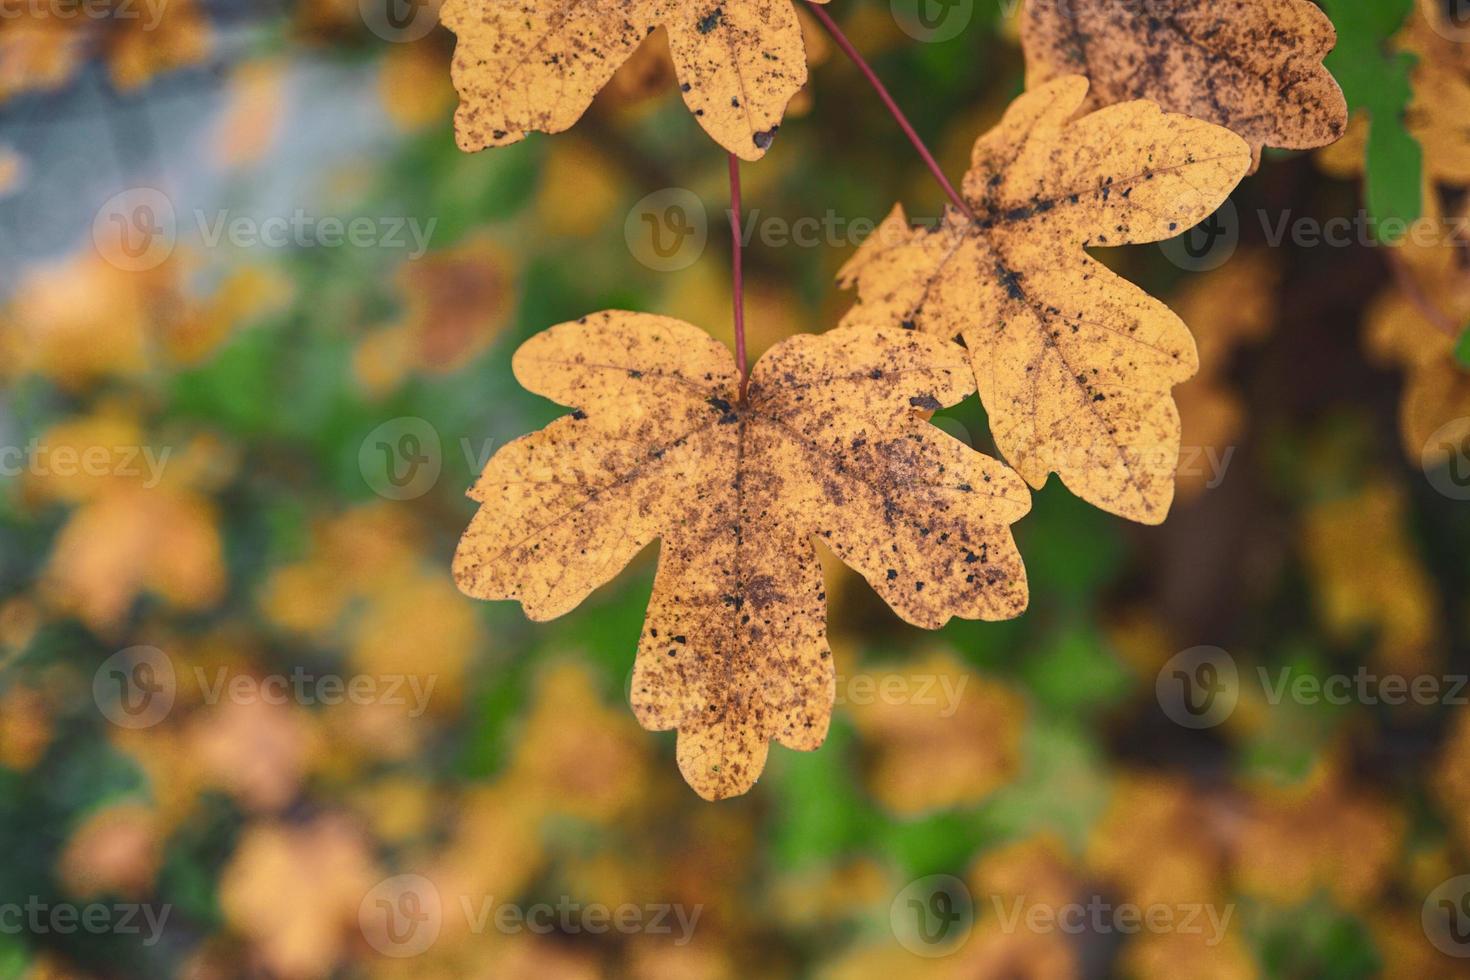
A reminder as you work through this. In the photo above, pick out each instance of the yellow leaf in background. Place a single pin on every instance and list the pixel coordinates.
(830, 443)
(1327, 837)
(161, 540)
(418, 627)
(12, 171)
(399, 808)
(140, 50)
(1406, 328)
(647, 74)
(256, 751)
(249, 124)
(1033, 875)
(1074, 364)
(739, 64)
(940, 735)
(1441, 104)
(652, 959)
(456, 303)
(1158, 843)
(78, 320)
(412, 85)
(25, 727)
(1451, 777)
(1368, 578)
(827, 895)
(1226, 308)
(39, 54)
(579, 190)
(577, 754)
(1197, 953)
(246, 294)
(1252, 66)
(350, 556)
(115, 851)
(293, 892)
(383, 360)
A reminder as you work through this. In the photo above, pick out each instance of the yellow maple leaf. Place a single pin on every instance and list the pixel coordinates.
(1253, 66)
(829, 442)
(1074, 364)
(522, 66)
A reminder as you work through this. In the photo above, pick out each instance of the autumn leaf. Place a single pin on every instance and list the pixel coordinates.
(1253, 66)
(522, 66)
(1074, 364)
(831, 441)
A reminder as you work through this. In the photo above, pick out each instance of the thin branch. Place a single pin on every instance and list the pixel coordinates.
(737, 275)
(815, 9)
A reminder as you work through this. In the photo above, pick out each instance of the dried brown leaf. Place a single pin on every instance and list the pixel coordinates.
(523, 66)
(1253, 66)
(1074, 364)
(832, 441)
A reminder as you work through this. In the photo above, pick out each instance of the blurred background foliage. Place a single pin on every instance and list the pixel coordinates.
(263, 549)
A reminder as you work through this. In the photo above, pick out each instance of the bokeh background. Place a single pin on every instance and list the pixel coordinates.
(249, 727)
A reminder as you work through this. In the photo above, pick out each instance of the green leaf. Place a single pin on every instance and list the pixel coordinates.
(1375, 80)
(1462, 348)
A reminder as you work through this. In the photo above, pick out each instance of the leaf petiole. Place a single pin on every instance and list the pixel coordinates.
(903, 123)
(737, 276)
